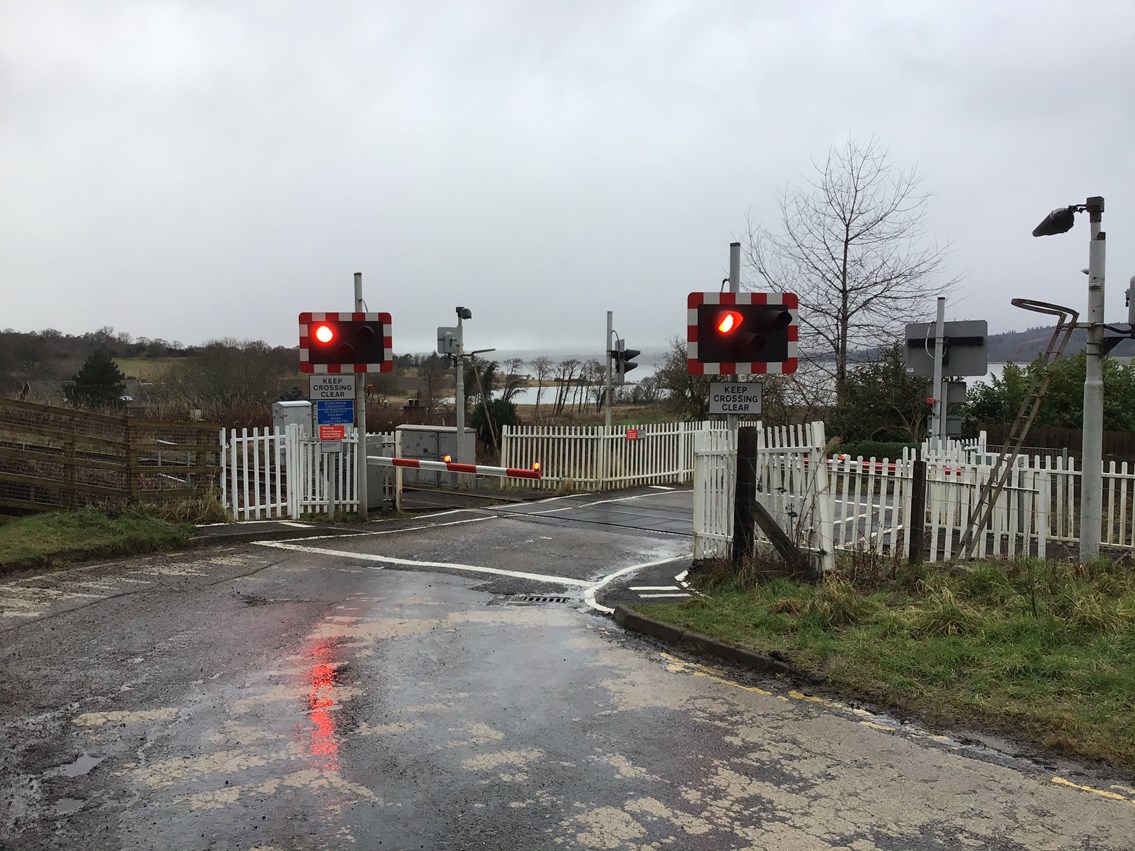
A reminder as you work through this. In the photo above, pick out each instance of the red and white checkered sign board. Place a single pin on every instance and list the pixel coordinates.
(309, 319)
(696, 367)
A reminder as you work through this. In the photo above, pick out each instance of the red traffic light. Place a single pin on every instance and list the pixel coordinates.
(729, 321)
(345, 342)
(741, 333)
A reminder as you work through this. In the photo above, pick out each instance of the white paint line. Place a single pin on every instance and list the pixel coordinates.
(652, 596)
(339, 535)
(598, 502)
(589, 594)
(681, 577)
(429, 526)
(446, 512)
(445, 565)
(660, 487)
(654, 587)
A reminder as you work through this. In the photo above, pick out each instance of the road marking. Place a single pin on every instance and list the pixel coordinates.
(336, 535)
(589, 594)
(654, 587)
(445, 565)
(1103, 793)
(652, 596)
(598, 502)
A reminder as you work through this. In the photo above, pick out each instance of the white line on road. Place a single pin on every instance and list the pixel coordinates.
(654, 587)
(598, 502)
(445, 565)
(652, 596)
(589, 594)
(394, 531)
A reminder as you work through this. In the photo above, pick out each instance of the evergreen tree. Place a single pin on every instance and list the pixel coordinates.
(1063, 406)
(882, 402)
(99, 383)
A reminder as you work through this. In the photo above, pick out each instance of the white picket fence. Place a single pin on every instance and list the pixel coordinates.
(827, 505)
(846, 504)
(792, 485)
(601, 458)
(276, 473)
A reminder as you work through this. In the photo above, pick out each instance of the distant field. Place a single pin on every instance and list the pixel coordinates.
(144, 369)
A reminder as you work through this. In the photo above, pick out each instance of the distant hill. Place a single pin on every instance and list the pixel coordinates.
(1023, 346)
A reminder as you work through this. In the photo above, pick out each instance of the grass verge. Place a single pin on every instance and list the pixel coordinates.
(44, 538)
(1042, 650)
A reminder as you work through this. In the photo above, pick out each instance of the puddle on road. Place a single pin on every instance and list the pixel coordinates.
(81, 766)
(68, 806)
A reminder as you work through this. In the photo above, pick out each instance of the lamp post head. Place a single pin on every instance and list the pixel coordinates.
(1059, 220)
(464, 313)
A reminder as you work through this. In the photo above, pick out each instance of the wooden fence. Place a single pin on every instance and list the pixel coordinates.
(60, 458)
(1066, 442)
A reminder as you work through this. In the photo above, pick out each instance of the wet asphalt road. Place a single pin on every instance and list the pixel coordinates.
(398, 689)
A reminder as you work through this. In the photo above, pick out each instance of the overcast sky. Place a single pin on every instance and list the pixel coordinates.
(203, 170)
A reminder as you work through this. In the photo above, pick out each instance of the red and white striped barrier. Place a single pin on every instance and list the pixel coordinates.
(454, 467)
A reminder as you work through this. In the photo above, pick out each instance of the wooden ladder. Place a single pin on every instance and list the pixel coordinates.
(990, 491)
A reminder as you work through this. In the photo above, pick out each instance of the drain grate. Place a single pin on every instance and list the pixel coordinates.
(539, 598)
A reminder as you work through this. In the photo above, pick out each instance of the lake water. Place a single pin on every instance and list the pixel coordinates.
(648, 363)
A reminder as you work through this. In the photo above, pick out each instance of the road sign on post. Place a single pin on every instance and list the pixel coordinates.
(447, 340)
(963, 348)
(335, 412)
(741, 398)
(345, 342)
(331, 387)
(741, 333)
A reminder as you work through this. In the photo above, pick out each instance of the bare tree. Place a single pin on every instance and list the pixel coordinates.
(686, 394)
(853, 246)
(542, 367)
(564, 375)
(434, 372)
(225, 372)
(513, 379)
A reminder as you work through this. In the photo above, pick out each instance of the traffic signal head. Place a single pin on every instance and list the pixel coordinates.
(624, 360)
(742, 333)
(345, 342)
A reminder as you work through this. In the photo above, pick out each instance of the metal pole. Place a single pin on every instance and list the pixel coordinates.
(610, 329)
(459, 399)
(938, 432)
(361, 415)
(732, 421)
(1091, 493)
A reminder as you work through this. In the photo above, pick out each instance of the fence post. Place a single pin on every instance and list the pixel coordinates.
(825, 503)
(916, 534)
(69, 467)
(744, 494)
(128, 444)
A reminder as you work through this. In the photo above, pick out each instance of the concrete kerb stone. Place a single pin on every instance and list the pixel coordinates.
(677, 637)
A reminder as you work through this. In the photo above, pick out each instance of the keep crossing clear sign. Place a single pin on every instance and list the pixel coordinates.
(736, 397)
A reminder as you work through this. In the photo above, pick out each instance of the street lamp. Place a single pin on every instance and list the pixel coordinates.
(1059, 221)
(459, 394)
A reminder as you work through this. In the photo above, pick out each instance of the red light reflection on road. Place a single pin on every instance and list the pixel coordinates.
(322, 681)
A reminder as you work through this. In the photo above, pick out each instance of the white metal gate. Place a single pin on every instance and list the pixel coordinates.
(272, 474)
(792, 485)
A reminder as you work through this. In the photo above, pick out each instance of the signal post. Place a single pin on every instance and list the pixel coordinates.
(354, 343)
